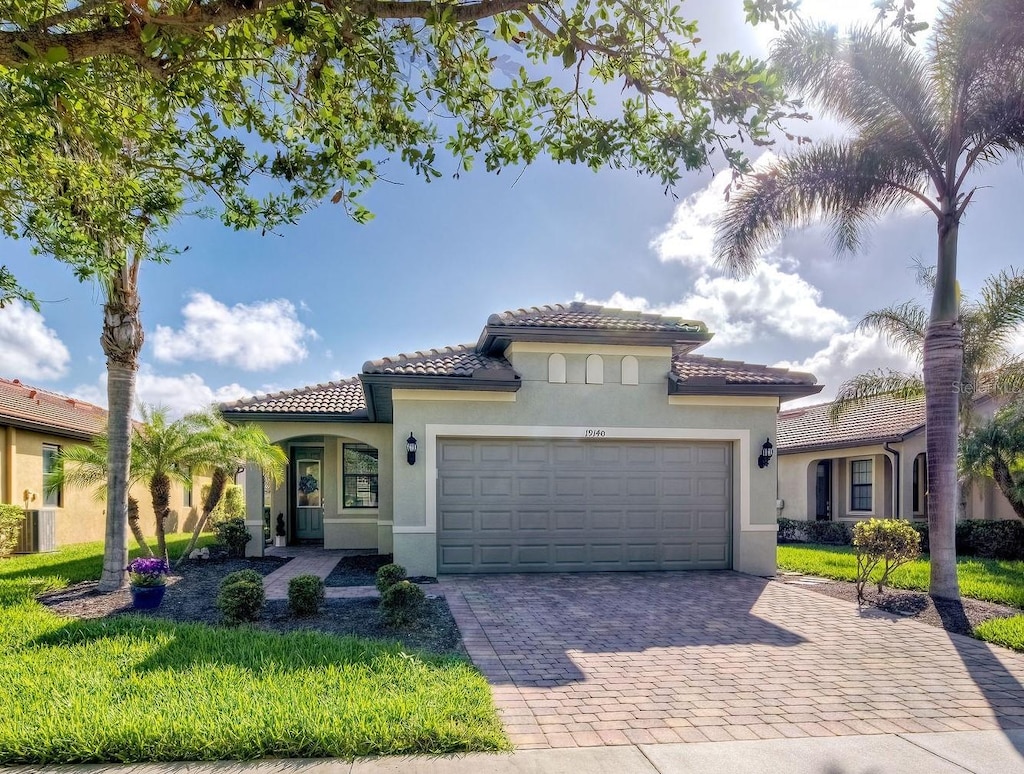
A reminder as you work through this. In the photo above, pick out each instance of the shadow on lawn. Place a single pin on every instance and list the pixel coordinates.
(178, 647)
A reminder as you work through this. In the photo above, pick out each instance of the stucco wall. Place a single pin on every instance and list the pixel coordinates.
(569, 410)
(797, 482)
(81, 517)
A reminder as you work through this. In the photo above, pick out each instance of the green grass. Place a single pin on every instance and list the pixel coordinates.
(992, 580)
(1008, 632)
(134, 689)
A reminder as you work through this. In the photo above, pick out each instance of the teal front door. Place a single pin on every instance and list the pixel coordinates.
(308, 483)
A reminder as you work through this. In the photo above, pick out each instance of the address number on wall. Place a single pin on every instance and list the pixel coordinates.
(594, 432)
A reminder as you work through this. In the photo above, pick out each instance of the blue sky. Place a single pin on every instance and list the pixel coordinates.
(241, 313)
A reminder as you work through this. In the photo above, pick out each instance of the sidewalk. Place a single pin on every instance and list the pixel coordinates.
(976, 752)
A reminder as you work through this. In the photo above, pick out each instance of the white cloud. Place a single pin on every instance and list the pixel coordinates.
(846, 355)
(179, 394)
(29, 349)
(262, 335)
(690, 237)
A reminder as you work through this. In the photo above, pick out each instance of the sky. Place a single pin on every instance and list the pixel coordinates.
(241, 314)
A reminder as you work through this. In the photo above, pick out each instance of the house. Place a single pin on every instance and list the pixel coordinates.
(566, 438)
(35, 424)
(872, 462)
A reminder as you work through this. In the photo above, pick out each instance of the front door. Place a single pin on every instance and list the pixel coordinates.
(823, 491)
(308, 493)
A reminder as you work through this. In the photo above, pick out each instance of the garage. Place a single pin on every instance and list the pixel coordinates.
(558, 505)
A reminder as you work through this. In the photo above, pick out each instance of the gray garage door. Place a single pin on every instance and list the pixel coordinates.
(563, 505)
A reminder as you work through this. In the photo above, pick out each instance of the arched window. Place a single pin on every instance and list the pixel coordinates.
(595, 370)
(556, 369)
(630, 370)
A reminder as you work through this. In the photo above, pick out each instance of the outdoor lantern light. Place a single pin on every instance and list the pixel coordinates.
(410, 449)
(767, 450)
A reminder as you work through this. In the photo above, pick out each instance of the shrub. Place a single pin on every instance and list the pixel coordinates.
(11, 517)
(888, 543)
(230, 506)
(388, 576)
(990, 539)
(833, 533)
(234, 535)
(921, 527)
(790, 531)
(401, 603)
(305, 594)
(241, 597)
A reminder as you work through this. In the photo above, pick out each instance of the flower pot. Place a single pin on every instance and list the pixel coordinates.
(280, 541)
(147, 597)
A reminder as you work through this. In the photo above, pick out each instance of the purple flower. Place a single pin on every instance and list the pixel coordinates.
(148, 571)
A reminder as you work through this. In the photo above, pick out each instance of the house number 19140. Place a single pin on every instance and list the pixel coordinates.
(594, 433)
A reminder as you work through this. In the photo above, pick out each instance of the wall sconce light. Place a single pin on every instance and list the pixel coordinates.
(410, 449)
(767, 450)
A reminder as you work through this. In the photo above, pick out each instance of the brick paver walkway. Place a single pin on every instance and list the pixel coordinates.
(620, 658)
(319, 563)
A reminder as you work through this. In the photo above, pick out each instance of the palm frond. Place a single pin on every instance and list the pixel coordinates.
(1002, 305)
(845, 185)
(865, 387)
(81, 467)
(902, 326)
(868, 79)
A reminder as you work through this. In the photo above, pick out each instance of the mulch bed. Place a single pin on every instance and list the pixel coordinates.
(357, 570)
(957, 617)
(192, 592)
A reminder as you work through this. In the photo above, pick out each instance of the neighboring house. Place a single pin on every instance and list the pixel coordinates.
(567, 438)
(35, 425)
(871, 463)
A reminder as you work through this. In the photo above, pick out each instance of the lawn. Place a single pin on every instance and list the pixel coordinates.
(132, 689)
(992, 580)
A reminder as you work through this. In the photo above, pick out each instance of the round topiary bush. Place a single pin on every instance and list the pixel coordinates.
(388, 576)
(241, 597)
(401, 603)
(305, 595)
(234, 534)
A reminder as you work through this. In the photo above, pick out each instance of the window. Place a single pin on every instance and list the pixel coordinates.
(630, 370)
(860, 485)
(595, 370)
(556, 369)
(359, 474)
(51, 461)
(920, 485)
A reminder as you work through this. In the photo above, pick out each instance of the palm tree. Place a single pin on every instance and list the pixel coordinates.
(226, 447)
(162, 453)
(86, 466)
(995, 450)
(988, 325)
(919, 123)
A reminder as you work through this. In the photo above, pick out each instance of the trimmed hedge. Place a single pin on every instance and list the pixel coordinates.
(11, 517)
(983, 539)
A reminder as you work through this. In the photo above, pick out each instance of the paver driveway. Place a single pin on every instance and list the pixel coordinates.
(621, 658)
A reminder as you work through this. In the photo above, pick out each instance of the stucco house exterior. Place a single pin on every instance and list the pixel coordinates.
(871, 463)
(35, 424)
(566, 438)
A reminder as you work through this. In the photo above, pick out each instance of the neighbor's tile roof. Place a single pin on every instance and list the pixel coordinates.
(20, 402)
(872, 422)
(344, 397)
(701, 368)
(461, 360)
(590, 316)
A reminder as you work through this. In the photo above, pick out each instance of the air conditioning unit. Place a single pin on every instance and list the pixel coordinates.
(38, 532)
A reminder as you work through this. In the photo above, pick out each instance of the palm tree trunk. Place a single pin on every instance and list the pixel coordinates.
(943, 371)
(121, 340)
(133, 525)
(218, 481)
(160, 491)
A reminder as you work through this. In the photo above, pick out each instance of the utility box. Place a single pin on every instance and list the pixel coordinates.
(38, 532)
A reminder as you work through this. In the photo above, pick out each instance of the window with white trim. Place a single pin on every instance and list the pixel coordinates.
(51, 461)
(861, 475)
(359, 475)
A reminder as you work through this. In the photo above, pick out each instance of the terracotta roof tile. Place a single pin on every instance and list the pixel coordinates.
(872, 422)
(461, 360)
(345, 397)
(22, 403)
(590, 316)
(698, 368)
